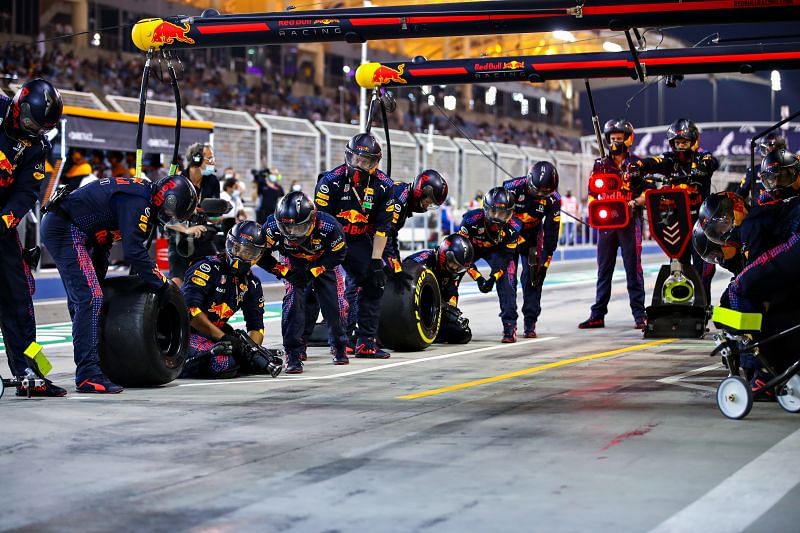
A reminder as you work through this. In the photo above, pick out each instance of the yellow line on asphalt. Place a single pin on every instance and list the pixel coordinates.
(532, 370)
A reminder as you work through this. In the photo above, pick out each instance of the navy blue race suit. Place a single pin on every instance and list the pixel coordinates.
(78, 233)
(364, 210)
(628, 239)
(401, 192)
(21, 174)
(541, 221)
(212, 287)
(499, 250)
(692, 173)
(321, 256)
(454, 327)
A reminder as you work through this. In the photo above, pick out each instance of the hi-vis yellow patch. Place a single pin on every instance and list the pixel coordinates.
(200, 274)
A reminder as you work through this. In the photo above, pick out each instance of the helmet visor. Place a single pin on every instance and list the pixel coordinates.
(247, 252)
(717, 228)
(499, 214)
(452, 264)
(427, 201)
(28, 124)
(364, 162)
(774, 179)
(769, 145)
(295, 232)
(541, 192)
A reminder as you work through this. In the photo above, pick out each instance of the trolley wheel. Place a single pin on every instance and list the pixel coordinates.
(790, 400)
(734, 397)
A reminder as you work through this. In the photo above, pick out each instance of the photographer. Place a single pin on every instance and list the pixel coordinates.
(192, 240)
(266, 193)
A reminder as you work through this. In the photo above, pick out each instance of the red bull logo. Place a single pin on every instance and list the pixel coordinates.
(9, 220)
(384, 75)
(222, 310)
(514, 65)
(169, 33)
(5, 164)
(353, 216)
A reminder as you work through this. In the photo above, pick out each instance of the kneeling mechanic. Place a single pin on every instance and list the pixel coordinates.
(215, 288)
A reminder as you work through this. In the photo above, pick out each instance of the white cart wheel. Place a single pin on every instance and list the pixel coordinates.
(734, 397)
(791, 400)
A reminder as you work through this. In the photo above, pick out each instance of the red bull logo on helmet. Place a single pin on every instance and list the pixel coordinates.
(169, 33)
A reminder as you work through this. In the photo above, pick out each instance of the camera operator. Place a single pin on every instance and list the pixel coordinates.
(192, 240)
(266, 193)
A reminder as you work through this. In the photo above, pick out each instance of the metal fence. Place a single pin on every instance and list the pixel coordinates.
(405, 154)
(155, 108)
(336, 137)
(441, 153)
(237, 137)
(511, 159)
(477, 169)
(293, 147)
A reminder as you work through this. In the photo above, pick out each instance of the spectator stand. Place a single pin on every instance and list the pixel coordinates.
(405, 153)
(293, 146)
(511, 158)
(336, 137)
(237, 137)
(74, 98)
(441, 153)
(477, 169)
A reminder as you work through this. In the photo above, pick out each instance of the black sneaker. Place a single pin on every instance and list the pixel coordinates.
(98, 385)
(339, 356)
(592, 323)
(293, 364)
(48, 390)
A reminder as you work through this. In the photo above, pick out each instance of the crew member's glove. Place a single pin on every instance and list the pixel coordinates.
(297, 277)
(375, 281)
(538, 280)
(706, 165)
(485, 285)
(634, 169)
(237, 345)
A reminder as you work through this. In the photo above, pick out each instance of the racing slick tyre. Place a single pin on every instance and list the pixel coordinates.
(789, 395)
(411, 310)
(734, 397)
(144, 336)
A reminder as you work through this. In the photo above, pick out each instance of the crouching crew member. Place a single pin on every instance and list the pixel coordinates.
(215, 288)
(79, 229)
(427, 192)
(538, 207)
(35, 109)
(313, 246)
(448, 262)
(360, 197)
(494, 233)
(619, 161)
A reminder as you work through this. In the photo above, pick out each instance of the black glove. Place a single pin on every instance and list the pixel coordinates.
(237, 345)
(538, 278)
(485, 285)
(375, 281)
(297, 277)
(706, 165)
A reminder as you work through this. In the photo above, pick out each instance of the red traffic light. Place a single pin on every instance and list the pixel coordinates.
(609, 214)
(604, 183)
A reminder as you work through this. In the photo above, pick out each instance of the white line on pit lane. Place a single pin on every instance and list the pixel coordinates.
(287, 379)
(759, 485)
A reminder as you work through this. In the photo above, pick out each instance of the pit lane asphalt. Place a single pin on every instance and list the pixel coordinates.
(577, 430)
